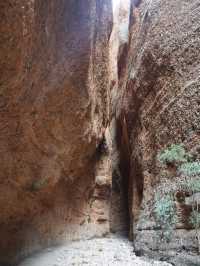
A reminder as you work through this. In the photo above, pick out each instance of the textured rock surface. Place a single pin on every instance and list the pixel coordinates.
(54, 105)
(160, 104)
(87, 101)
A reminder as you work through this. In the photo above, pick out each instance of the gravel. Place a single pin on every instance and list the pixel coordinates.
(109, 251)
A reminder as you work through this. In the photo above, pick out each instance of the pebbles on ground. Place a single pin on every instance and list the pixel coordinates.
(109, 251)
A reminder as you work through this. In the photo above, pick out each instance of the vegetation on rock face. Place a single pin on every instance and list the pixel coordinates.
(195, 219)
(186, 181)
(39, 184)
(195, 222)
(191, 185)
(190, 168)
(174, 154)
(165, 214)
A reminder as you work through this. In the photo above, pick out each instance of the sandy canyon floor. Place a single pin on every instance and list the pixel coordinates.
(112, 250)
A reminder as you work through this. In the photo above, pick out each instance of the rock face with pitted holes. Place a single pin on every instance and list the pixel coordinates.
(160, 106)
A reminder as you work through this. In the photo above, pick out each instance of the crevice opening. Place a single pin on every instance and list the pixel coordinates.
(120, 211)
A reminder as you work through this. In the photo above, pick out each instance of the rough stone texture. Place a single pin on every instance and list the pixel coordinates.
(85, 109)
(160, 102)
(54, 105)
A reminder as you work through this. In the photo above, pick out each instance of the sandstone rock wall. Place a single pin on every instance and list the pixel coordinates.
(54, 105)
(90, 93)
(160, 105)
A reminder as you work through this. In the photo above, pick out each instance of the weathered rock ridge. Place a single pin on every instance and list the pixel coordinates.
(90, 93)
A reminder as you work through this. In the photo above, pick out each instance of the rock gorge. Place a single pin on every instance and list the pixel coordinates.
(90, 92)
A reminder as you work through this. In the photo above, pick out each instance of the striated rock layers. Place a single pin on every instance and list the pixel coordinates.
(160, 105)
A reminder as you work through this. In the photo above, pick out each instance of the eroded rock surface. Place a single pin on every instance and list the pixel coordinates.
(90, 93)
(160, 106)
(54, 105)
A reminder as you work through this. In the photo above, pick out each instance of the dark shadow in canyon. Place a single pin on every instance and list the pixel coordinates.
(127, 185)
(120, 201)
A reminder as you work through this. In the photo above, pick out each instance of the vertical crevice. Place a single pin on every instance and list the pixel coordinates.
(124, 165)
(120, 218)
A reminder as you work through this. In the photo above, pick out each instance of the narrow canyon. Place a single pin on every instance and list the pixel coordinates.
(100, 132)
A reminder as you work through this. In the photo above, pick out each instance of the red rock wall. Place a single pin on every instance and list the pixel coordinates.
(87, 101)
(160, 105)
(54, 105)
